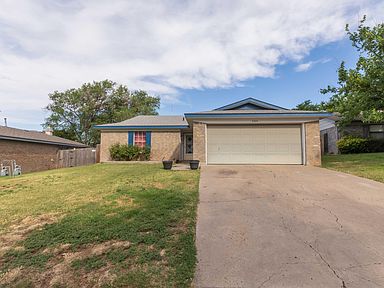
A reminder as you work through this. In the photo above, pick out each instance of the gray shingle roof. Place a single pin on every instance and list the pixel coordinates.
(8, 133)
(148, 121)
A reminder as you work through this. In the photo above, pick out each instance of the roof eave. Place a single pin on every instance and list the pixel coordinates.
(42, 141)
(259, 115)
(251, 101)
(154, 127)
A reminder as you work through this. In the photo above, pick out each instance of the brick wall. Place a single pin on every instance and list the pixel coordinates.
(165, 145)
(108, 139)
(199, 142)
(312, 143)
(30, 156)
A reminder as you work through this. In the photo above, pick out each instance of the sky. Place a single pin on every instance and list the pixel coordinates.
(196, 55)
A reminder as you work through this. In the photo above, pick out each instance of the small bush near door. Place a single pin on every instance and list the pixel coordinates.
(125, 152)
(353, 145)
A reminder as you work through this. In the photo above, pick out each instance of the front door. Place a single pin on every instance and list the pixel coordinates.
(188, 146)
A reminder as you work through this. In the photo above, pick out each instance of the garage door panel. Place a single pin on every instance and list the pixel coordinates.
(258, 144)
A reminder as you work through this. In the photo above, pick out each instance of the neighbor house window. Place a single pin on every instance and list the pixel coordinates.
(140, 139)
(376, 131)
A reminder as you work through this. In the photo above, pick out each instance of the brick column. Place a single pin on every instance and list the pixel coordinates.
(199, 130)
(312, 143)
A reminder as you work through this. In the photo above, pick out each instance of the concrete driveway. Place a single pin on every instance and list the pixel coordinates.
(289, 226)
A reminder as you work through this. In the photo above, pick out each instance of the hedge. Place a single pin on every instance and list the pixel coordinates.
(353, 145)
(125, 152)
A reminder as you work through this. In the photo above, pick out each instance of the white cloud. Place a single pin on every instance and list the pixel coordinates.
(159, 46)
(302, 67)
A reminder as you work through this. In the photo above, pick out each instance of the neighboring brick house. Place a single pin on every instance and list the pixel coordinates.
(32, 150)
(364, 130)
(330, 133)
(245, 132)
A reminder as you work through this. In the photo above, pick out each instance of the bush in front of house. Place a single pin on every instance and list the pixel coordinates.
(376, 145)
(351, 145)
(354, 145)
(125, 152)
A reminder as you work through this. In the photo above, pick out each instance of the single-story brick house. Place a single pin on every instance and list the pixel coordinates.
(330, 133)
(245, 132)
(32, 150)
(365, 130)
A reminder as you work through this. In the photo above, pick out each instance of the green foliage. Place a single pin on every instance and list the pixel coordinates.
(89, 263)
(74, 112)
(125, 152)
(352, 145)
(308, 105)
(360, 90)
(375, 145)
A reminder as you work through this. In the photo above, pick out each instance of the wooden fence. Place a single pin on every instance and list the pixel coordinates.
(76, 157)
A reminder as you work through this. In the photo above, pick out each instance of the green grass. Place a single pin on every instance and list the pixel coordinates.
(151, 209)
(367, 165)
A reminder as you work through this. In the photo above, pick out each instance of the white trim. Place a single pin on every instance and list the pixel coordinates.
(185, 143)
(303, 143)
(256, 121)
(206, 143)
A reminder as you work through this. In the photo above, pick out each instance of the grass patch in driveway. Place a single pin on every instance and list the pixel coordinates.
(112, 226)
(367, 165)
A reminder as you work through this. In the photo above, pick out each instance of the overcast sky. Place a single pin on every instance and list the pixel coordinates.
(194, 54)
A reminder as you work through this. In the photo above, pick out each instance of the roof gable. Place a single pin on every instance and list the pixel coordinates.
(250, 104)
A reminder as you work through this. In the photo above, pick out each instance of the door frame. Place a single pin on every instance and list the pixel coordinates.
(187, 156)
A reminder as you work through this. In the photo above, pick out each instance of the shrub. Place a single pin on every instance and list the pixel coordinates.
(351, 144)
(376, 145)
(125, 152)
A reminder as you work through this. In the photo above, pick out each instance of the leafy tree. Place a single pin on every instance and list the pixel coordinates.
(74, 112)
(360, 91)
(308, 105)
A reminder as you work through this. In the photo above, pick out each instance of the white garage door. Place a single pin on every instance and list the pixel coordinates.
(257, 144)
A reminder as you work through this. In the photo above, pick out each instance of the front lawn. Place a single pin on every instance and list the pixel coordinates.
(367, 165)
(108, 225)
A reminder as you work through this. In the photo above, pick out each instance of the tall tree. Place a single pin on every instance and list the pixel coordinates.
(360, 91)
(308, 105)
(74, 112)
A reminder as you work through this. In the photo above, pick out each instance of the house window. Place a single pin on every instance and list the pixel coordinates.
(140, 139)
(188, 144)
(376, 131)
